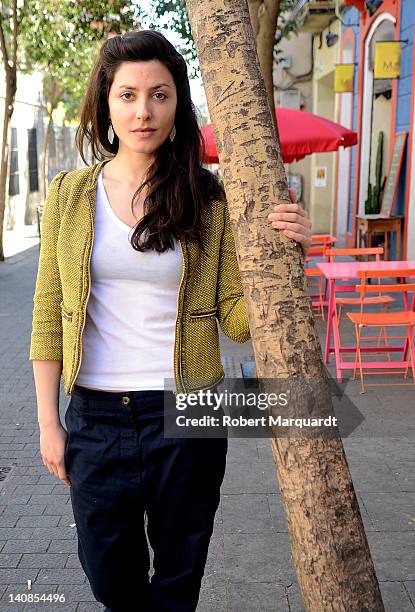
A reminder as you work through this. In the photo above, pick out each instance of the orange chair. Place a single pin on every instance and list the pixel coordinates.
(323, 239)
(314, 273)
(404, 318)
(355, 252)
(355, 301)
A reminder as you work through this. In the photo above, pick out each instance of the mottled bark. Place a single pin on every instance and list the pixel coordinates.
(331, 555)
(264, 16)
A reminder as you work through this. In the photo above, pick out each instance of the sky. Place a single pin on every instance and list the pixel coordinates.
(196, 85)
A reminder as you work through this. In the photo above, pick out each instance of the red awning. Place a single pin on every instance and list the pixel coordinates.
(301, 134)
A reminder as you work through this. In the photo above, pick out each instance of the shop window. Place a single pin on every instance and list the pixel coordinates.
(14, 164)
(33, 166)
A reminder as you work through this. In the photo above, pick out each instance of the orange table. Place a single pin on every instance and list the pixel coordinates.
(347, 270)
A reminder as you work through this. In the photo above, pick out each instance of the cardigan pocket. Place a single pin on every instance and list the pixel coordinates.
(66, 313)
(201, 364)
(205, 313)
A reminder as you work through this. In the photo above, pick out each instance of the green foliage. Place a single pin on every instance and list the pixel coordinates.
(62, 38)
(173, 14)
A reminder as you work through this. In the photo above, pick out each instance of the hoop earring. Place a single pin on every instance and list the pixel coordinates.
(173, 133)
(111, 134)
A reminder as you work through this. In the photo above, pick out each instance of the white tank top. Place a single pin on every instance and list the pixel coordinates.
(129, 332)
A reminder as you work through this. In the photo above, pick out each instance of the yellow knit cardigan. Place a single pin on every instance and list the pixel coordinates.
(210, 286)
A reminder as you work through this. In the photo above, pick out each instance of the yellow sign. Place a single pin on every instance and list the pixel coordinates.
(343, 78)
(387, 60)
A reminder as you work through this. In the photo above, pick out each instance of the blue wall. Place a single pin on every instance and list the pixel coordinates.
(403, 109)
(405, 84)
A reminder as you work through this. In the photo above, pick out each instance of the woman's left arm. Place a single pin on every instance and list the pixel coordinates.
(294, 221)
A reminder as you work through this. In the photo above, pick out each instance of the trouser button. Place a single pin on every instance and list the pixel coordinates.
(125, 400)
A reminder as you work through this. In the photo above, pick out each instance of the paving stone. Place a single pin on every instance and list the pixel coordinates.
(403, 471)
(9, 560)
(56, 533)
(61, 546)
(264, 450)
(46, 479)
(16, 533)
(72, 560)
(51, 499)
(8, 520)
(19, 510)
(367, 521)
(295, 599)
(17, 454)
(390, 513)
(17, 499)
(258, 558)
(277, 512)
(61, 576)
(213, 593)
(22, 479)
(66, 520)
(11, 445)
(30, 462)
(52, 607)
(395, 597)
(246, 513)
(18, 576)
(393, 555)
(216, 556)
(38, 521)
(56, 507)
(263, 596)
(36, 589)
(34, 489)
(36, 470)
(410, 589)
(45, 560)
(89, 607)
(241, 450)
(26, 546)
(75, 593)
(372, 475)
(19, 469)
(249, 478)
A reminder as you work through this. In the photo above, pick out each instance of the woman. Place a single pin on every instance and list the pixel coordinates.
(137, 262)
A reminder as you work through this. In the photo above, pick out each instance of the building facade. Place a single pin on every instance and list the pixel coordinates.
(346, 32)
(27, 132)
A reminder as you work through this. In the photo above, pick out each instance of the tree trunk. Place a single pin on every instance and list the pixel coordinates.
(330, 551)
(4, 163)
(264, 17)
(10, 69)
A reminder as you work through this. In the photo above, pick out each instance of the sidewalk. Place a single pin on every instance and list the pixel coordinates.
(249, 565)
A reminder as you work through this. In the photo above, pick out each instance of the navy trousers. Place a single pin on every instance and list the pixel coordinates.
(121, 466)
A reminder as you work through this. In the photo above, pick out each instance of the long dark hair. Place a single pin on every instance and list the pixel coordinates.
(179, 187)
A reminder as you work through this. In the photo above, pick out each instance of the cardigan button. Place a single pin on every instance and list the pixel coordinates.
(125, 400)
